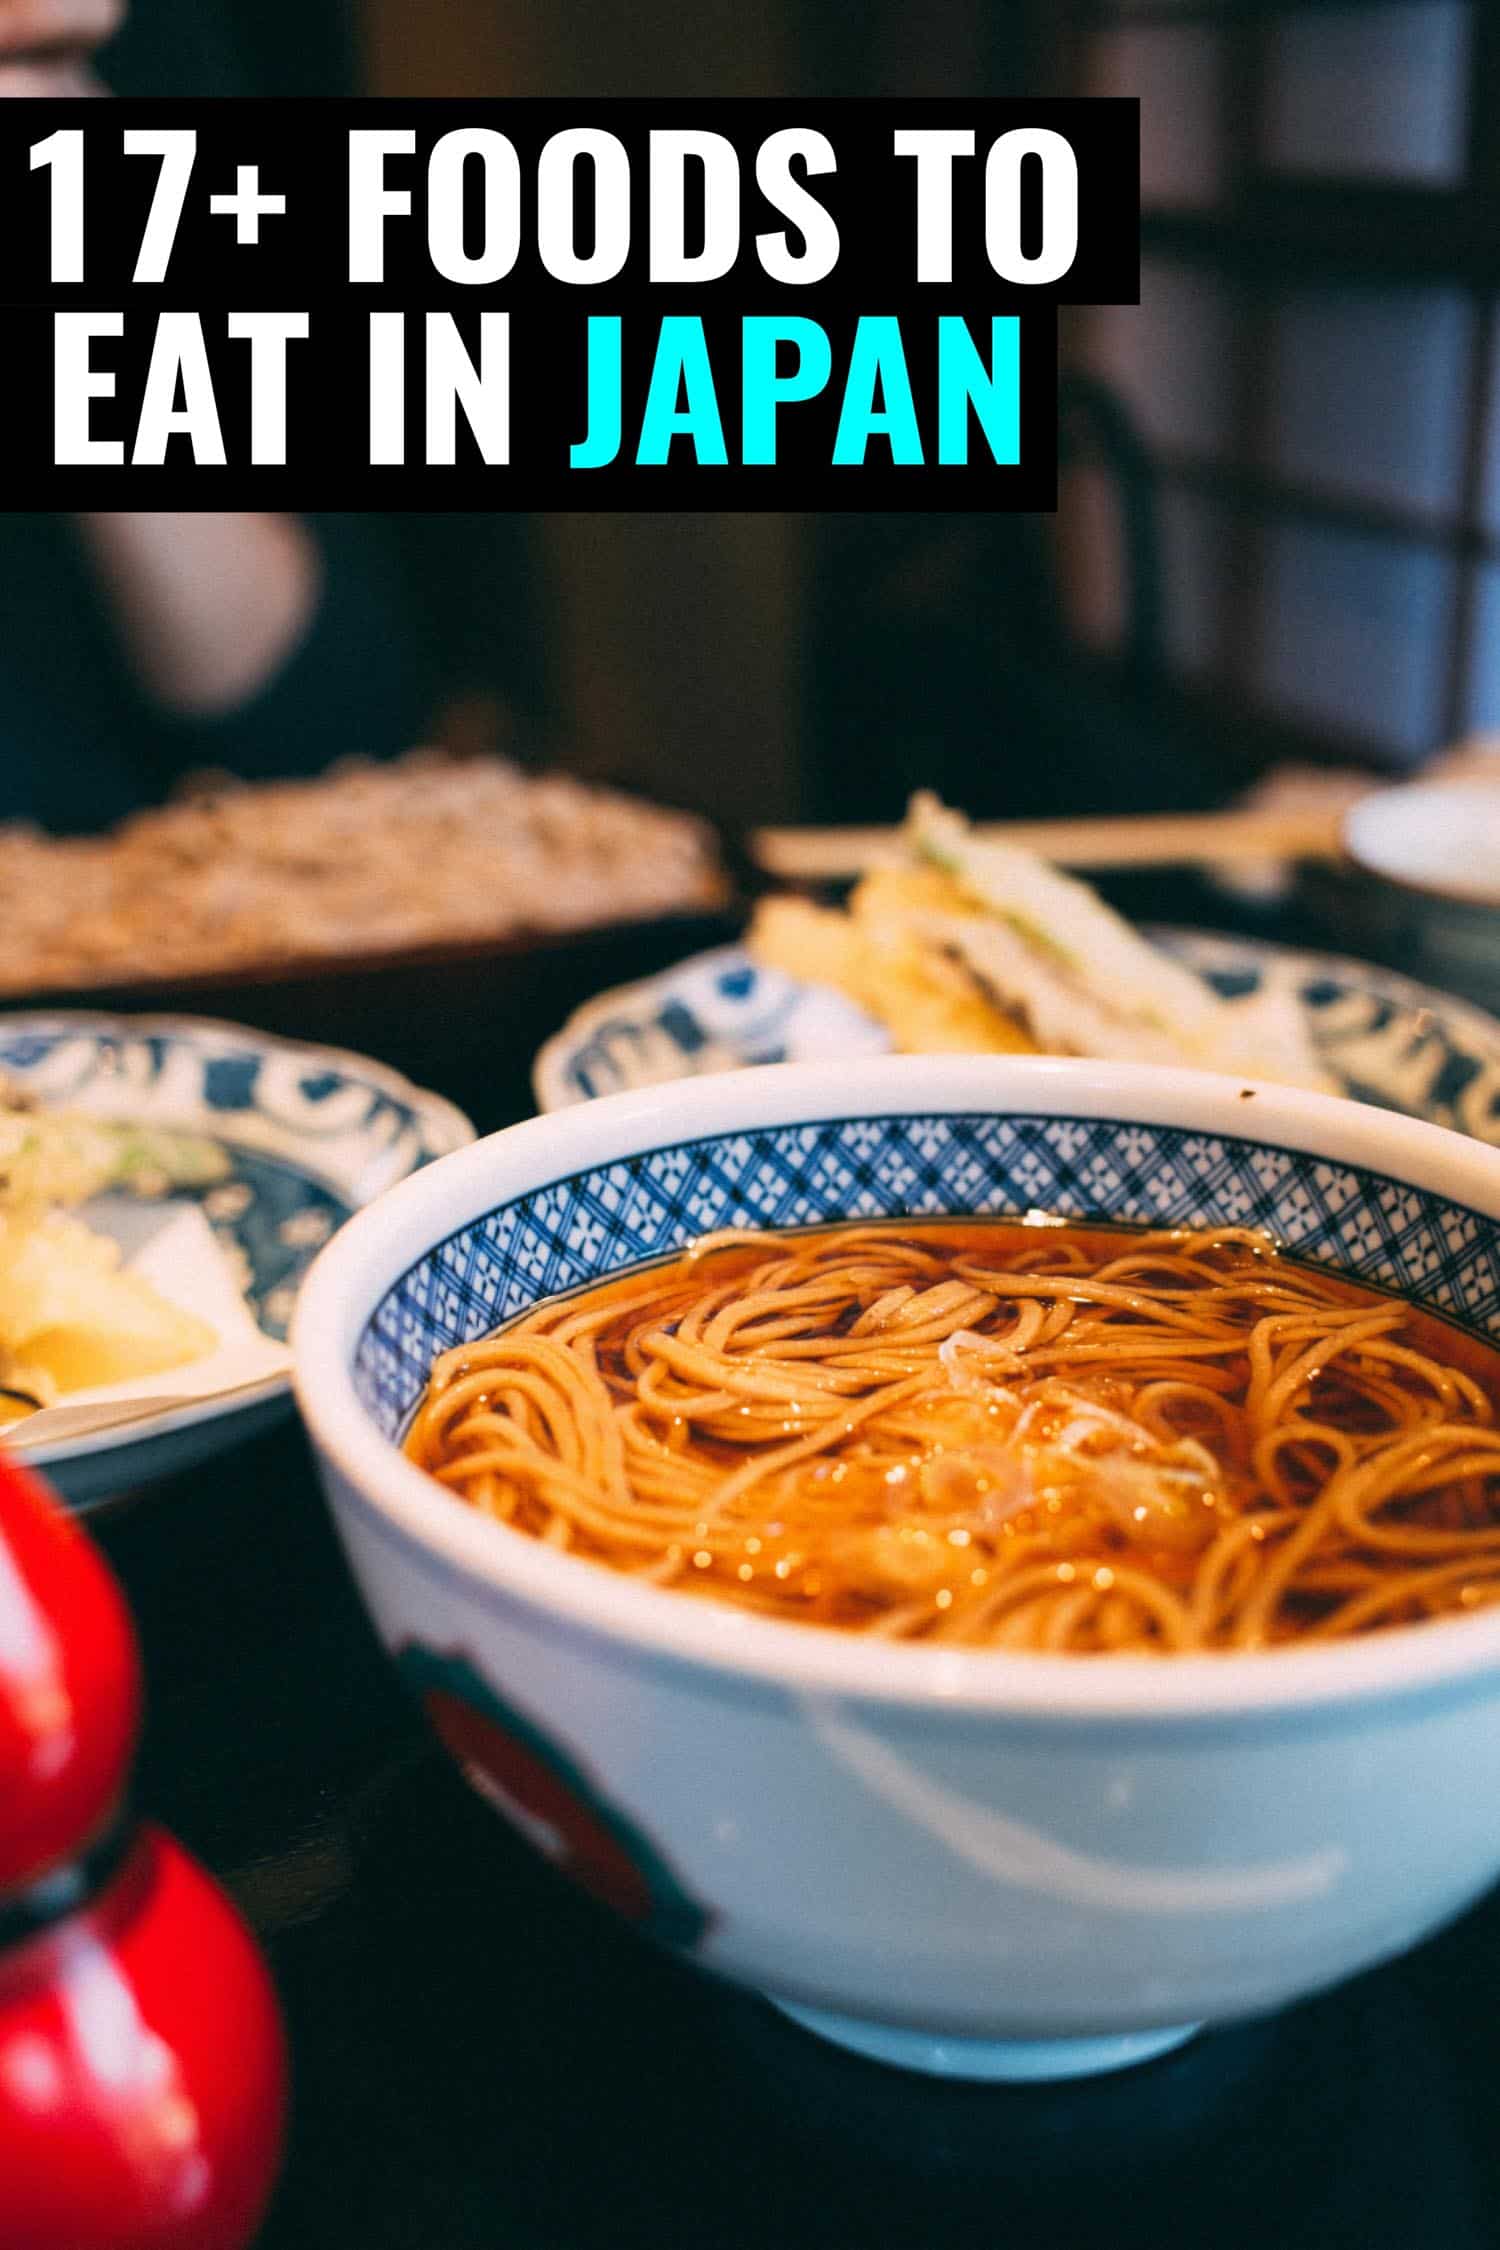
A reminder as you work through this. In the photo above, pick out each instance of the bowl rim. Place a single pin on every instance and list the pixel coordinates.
(445, 1127)
(1364, 852)
(1458, 1018)
(355, 1270)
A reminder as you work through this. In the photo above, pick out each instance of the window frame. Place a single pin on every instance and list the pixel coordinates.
(1271, 233)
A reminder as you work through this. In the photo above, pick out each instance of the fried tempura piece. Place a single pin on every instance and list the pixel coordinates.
(927, 1001)
(72, 1316)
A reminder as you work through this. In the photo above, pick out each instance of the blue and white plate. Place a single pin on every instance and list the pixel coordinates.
(1381, 1037)
(310, 1135)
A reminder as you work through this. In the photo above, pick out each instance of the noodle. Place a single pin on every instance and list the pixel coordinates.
(999, 1435)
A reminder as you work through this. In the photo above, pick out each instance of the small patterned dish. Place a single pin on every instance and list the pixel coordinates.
(1381, 1037)
(310, 1135)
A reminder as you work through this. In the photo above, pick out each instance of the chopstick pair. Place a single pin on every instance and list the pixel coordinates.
(1135, 840)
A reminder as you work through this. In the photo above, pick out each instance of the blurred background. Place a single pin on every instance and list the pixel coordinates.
(1279, 537)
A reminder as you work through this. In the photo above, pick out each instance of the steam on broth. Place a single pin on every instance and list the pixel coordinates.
(995, 1434)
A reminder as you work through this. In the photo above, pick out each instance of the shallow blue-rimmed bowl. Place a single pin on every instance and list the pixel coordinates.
(310, 1133)
(1380, 1037)
(990, 1864)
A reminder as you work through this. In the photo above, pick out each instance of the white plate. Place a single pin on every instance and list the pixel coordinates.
(1381, 1037)
(311, 1134)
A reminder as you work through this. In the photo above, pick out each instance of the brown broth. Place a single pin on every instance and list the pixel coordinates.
(1124, 1475)
(1016, 1241)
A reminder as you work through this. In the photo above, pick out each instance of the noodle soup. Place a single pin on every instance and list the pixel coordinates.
(995, 1434)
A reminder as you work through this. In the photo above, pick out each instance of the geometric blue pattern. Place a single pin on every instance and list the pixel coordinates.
(584, 1227)
(308, 1134)
(1376, 1035)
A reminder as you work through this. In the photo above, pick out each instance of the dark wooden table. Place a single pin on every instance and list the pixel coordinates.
(483, 2059)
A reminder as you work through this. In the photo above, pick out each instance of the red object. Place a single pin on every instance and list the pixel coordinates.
(142, 2070)
(512, 1774)
(70, 1684)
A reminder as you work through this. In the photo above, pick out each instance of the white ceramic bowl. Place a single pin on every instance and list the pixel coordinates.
(1441, 837)
(1422, 884)
(993, 1865)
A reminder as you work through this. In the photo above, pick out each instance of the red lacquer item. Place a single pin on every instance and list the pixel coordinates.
(142, 2072)
(142, 2067)
(70, 1687)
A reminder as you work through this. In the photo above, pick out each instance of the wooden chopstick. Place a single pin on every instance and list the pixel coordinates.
(1137, 840)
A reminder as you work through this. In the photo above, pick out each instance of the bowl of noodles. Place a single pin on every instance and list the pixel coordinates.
(1000, 1555)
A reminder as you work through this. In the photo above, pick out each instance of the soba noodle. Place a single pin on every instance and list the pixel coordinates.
(1000, 1435)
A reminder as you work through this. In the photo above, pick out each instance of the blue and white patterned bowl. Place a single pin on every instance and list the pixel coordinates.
(1380, 1037)
(311, 1135)
(989, 1864)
